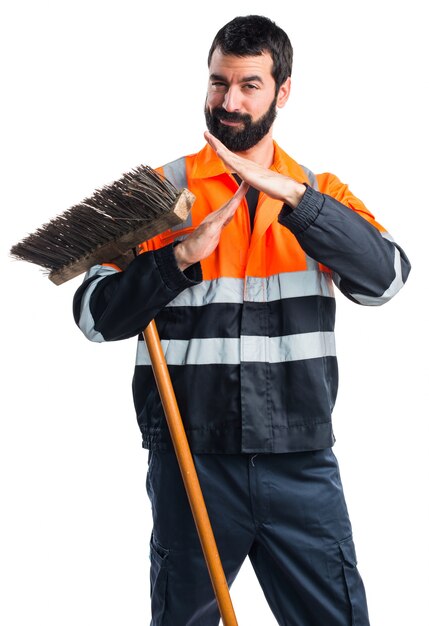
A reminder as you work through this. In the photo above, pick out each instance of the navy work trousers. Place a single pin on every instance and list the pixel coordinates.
(285, 511)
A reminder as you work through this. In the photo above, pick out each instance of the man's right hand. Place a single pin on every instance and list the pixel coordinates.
(205, 238)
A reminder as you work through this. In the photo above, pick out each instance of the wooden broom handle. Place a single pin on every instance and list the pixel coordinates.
(189, 474)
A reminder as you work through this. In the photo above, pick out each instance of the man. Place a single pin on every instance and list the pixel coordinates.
(244, 305)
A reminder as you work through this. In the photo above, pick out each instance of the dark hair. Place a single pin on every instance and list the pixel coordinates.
(251, 36)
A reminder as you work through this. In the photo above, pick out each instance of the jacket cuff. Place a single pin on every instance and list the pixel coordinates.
(173, 277)
(300, 218)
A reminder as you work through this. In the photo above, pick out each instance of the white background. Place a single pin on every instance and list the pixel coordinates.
(91, 89)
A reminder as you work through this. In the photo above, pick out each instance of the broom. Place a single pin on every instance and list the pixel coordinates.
(105, 228)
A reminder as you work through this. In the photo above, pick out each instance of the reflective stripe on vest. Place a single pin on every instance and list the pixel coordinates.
(255, 289)
(311, 178)
(247, 349)
(175, 172)
(311, 263)
(86, 321)
(396, 284)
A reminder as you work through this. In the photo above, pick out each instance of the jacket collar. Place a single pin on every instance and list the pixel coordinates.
(207, 164)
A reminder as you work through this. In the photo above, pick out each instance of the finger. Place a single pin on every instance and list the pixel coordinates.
(231, 204)
(247, 170)
(226, 212)
(213, 141)
(230, 208)
(235, 201)
(228, 157)
(242, 190)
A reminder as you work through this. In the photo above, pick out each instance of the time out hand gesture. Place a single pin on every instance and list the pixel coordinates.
(272, 183)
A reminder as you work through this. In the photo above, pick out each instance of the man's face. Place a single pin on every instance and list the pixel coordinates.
(241, 100)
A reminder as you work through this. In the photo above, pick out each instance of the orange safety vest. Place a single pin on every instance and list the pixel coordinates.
(256, 253)
(250, 346)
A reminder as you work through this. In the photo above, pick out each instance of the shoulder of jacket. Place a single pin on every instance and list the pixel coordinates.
(312, 178)
(177, 171)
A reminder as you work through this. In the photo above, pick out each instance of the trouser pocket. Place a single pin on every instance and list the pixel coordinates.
(158, 580)
(354, 584)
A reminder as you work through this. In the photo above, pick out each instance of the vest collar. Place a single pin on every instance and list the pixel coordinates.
(207, 165)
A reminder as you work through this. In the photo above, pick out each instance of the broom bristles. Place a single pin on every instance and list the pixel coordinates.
(106, 225)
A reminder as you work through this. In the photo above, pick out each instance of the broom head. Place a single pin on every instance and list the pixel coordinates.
(107, 226)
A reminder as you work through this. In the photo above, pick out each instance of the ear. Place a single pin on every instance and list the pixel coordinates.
(283, 95)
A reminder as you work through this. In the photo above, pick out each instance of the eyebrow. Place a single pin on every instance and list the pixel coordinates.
(245, 79)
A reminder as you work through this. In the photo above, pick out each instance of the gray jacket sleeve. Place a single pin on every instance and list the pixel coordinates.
(367, 265)
(113, 304)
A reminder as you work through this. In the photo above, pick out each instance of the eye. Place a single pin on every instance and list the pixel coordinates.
(217, 85)
(250, 87)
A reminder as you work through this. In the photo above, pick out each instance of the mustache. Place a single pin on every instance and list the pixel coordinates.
(220, 113)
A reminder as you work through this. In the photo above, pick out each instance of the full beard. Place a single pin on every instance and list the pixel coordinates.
(239, 140)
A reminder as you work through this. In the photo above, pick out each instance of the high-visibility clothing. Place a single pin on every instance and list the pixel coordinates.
(248, 333)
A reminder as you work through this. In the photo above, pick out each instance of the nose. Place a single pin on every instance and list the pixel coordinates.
(232, 100)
